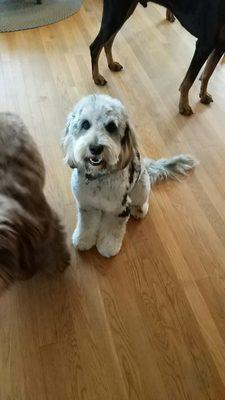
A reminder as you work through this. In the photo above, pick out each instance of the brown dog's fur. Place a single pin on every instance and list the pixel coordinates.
(31, 236)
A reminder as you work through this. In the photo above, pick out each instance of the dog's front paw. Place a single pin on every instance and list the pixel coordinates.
(82, 241)
(109, 247)
(115, 66)
(185, 109)
(206, 98)
(139, 212)
(99, 80)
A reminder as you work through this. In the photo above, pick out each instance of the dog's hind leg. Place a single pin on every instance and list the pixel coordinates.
(211, 64)
(140, 196)
(201, 54)
(112, 20)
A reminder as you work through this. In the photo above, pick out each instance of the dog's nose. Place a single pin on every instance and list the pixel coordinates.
(96, 149)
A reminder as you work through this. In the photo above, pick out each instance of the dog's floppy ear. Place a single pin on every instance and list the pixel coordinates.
(67, 141)
(128, 146)
(9, 260)
(9, 268)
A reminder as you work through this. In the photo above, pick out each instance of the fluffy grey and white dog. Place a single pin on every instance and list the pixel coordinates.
(110, 180)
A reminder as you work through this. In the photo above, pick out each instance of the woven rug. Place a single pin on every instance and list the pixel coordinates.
(25, 14)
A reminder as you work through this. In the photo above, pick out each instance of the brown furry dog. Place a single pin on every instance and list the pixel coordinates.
(31, 236)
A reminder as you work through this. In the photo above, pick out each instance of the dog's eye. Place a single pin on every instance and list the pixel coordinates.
(111, 127)
(85, 125)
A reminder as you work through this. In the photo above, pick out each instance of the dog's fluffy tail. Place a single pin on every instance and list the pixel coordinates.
(169, 168)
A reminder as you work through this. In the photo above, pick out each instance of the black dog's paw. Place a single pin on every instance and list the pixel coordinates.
(115, 66)
(100, 80)
(185, 110)
(206, 98)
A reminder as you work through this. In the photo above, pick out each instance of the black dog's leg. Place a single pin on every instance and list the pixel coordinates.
(113, 65)
(112, 21)
(96, 48)
(212, 62)
(201, 54)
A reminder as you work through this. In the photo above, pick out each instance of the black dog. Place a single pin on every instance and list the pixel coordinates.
(204, 19)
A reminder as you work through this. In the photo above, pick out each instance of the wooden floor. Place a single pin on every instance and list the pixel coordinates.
(148, 324)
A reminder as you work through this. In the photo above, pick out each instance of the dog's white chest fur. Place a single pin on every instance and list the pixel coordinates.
(105, 193)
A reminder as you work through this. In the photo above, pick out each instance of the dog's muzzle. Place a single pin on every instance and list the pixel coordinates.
(96, 158)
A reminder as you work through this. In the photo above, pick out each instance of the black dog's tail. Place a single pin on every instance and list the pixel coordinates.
(169, 168)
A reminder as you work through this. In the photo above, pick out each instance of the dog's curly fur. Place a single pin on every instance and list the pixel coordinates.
(110, 181)
(31, 236)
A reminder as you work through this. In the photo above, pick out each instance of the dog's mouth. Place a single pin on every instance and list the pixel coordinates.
(96, 161)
